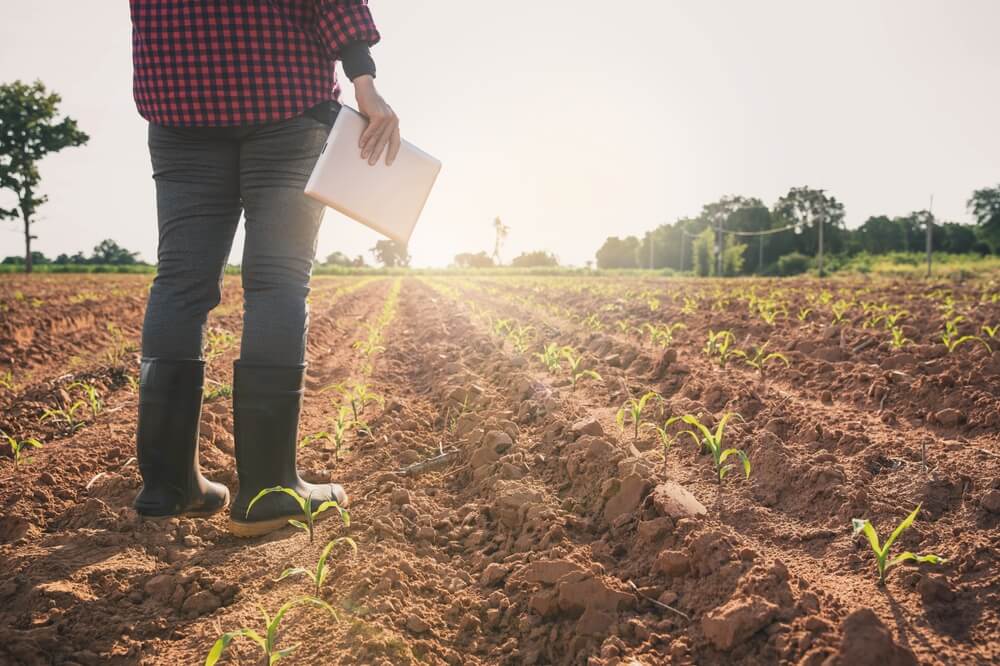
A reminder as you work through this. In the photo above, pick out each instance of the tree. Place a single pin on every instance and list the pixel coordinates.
(535, 259)
(618, 253)
(500, 231)
(703, 249)
(109, 252)
(391, 254)
(820, 220)
(470, 260)
(984, 205)
(37, 259)
(28, 132)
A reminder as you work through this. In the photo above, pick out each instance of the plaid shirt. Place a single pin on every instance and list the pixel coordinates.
(240, 62)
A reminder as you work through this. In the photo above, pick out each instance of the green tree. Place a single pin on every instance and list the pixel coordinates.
(29, 131)
(470, 260)
(109, 252)
(814, 212)
(534, 260)
(618, 253)
(984, 204)
(391, 254)
(338, 258)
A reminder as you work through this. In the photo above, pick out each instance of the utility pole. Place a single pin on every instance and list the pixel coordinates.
(683, 246)
(819, 226)
(930, 233)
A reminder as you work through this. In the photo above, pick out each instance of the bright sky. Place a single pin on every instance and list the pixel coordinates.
(577, 119)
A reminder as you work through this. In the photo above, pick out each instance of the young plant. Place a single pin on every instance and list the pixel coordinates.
(898, 339)
(18, 449)
(991, 331)
(267, 642)
(319, 574)
(551, 357)
(218, 342)
(952, 338)
(761, 358)
(632, 411)
(803, 314)
(720, 345)
(67, 416)
(7, 380)
(576, 373)
(666, 439)
(219, 390)
(91, 397)
(713, 442)
(882, 560)
(839, 310)
(305, 504)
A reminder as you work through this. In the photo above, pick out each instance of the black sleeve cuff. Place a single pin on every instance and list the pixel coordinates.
(357, 60)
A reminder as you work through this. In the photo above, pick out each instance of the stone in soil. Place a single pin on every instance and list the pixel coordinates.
(737, 620)
(674, 500)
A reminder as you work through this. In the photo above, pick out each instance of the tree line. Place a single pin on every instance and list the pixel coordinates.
(784, 238)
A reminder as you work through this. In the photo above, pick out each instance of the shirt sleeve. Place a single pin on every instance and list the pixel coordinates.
(348, 30)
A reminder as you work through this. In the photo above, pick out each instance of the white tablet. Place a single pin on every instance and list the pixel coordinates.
(388, 199)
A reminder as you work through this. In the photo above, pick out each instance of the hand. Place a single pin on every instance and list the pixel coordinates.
(383, 124)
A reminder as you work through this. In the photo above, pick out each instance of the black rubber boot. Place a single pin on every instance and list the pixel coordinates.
(267, 400)
(170, 393)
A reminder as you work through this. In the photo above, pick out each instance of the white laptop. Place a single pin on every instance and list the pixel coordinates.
(388, 199)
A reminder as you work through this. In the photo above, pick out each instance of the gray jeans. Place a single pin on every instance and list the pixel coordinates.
(205, 177)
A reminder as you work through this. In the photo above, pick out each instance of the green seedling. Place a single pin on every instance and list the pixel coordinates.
(632, 411)
(713, 442)
(593, 322)
(952, 339)
(267, 642)
(839, 310)
(319, 574)
(898, 339)
(218, 342)
(551, 357)
(991, 331)
(219, 390)
(803, 314)
(720, 345)
(67, 416)
(133, 383)
(690, 306)
(761, 358)
(576, 373)
(520, 338)
(882, 552)
(19, 449)
(7, 380)
(91, 396)
(666, 439)
(305, 504)
(119, 345)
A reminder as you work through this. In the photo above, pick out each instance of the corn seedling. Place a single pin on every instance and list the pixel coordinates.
(839, 311)
(882, 560)
(690, 306)
(719, 345)
(761, 358)
(520, 338)
(803, 314)
(576, 373)
(713, 442)
(67, 416)
(19, 449)
(632, 411)
(319, 574)
(305, 504)
(91, 397)
(952, 339)
(7, 380)
(119, 346)
(551, 357)
(666, 439)
(218, 342)
(219, 390)
(267, 642)
(991, 331)
(898, 339)
(593, 322)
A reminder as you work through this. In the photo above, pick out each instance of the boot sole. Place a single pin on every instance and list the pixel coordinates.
(245, 530)
(185, 514)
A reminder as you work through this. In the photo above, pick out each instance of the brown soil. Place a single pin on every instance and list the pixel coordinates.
(550, 536)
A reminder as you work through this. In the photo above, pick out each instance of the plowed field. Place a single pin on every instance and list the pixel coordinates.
(505, 512)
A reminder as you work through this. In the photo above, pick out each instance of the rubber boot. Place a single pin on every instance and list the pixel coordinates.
(267, 400)
(170, 394)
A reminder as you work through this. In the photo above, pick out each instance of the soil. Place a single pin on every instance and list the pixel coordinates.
(546, 534)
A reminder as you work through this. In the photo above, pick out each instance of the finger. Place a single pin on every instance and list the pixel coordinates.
(375, 127)
(380, 144)
(394, 144)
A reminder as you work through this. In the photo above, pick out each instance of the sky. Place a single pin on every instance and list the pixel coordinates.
(575, 120)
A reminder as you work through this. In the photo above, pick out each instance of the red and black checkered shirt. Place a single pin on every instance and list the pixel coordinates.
(240, 62)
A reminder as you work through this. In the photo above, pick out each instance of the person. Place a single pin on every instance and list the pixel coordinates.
(240, 96)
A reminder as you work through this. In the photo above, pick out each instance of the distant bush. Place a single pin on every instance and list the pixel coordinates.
(793, 263)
